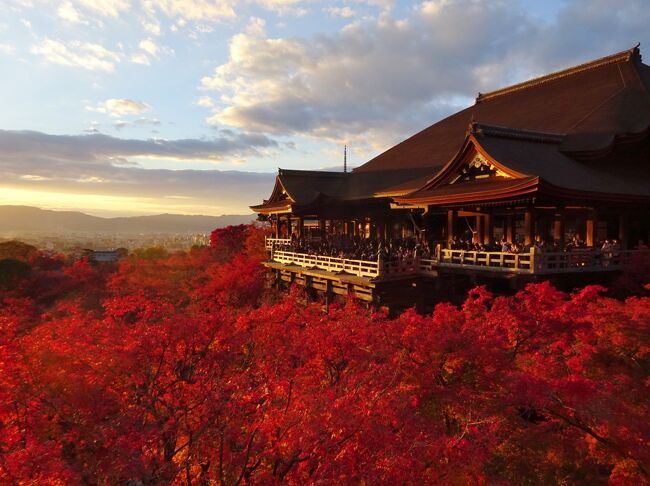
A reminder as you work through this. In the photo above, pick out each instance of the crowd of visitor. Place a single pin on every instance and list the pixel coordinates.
(371, 249)
(358, 248)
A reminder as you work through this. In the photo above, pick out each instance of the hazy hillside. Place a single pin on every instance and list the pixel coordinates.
(29, 219)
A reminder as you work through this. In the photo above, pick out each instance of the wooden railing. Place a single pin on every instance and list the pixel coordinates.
(587, 260)
(359, 268)
(532, 262)
(494, 260)
(540, 263)
(270, 242)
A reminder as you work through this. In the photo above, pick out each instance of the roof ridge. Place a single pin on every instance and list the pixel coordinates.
(625, 55)
(329, 173)
(515, 133)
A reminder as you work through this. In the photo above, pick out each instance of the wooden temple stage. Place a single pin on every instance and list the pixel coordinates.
(395, 282)
(559, 163)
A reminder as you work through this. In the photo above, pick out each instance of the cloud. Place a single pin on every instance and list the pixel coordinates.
(205, 102)
(69, 13)
(345, 12)
(103, 165)
(86, 55)
(381, 78)
(106, 8)
(7, 49)
(147, 121)
(102, 149)
(120, 107)
(194, 10)
(149, 50)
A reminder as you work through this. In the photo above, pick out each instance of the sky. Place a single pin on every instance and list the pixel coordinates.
(130, 107)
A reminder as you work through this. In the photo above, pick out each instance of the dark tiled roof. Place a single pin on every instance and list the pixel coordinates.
(537, 157)
(306, 186)
(604, 97)
(490, 188)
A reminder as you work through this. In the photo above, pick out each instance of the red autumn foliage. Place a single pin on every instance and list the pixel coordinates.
(184, 370)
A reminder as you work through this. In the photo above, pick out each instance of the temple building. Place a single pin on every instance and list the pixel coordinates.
(546, 177)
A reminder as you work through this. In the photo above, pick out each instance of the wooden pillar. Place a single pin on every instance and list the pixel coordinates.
(451, 220)
(276, 219)
(529, 227)
(321, 227)
(478, 236)
(489, 229)
(558, 228)
(623, 230)
(288, 226)
(591, 224)
(301, 227)
(510, 228)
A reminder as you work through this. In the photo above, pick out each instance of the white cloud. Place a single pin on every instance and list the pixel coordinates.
(284, 7)
(149, 50)
(150, 47)
(118, 107)
(7, 49)
(85, 55)
(140, 58)
(204, 101)
(106, 8)
(345, 12)
(67, 12)
(194, 10)
(256, 27)
(152, 26)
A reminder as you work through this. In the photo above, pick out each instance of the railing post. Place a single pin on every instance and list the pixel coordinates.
(381, 265)
(532, 259)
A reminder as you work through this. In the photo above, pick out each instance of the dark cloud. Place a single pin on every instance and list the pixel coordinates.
(101, 165)
(99, 148)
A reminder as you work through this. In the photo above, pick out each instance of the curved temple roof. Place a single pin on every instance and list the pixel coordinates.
(563, 129)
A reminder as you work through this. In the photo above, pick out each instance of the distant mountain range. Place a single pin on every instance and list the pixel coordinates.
(30, 219)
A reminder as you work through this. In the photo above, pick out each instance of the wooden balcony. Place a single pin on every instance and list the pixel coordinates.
(530, 263)
(358, 268)
(275, 242)
(539, 263)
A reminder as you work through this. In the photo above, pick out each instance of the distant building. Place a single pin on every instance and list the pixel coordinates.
(104, 256)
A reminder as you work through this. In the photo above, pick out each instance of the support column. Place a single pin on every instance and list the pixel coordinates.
(478, 236)
(558, 228)
(288, 226)
(301, 227)
(489, 229)
(529, 227)
(321, 226)
(591, 225)
(451, 220)
(510, 228)
(276, 219)
(623, 230)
